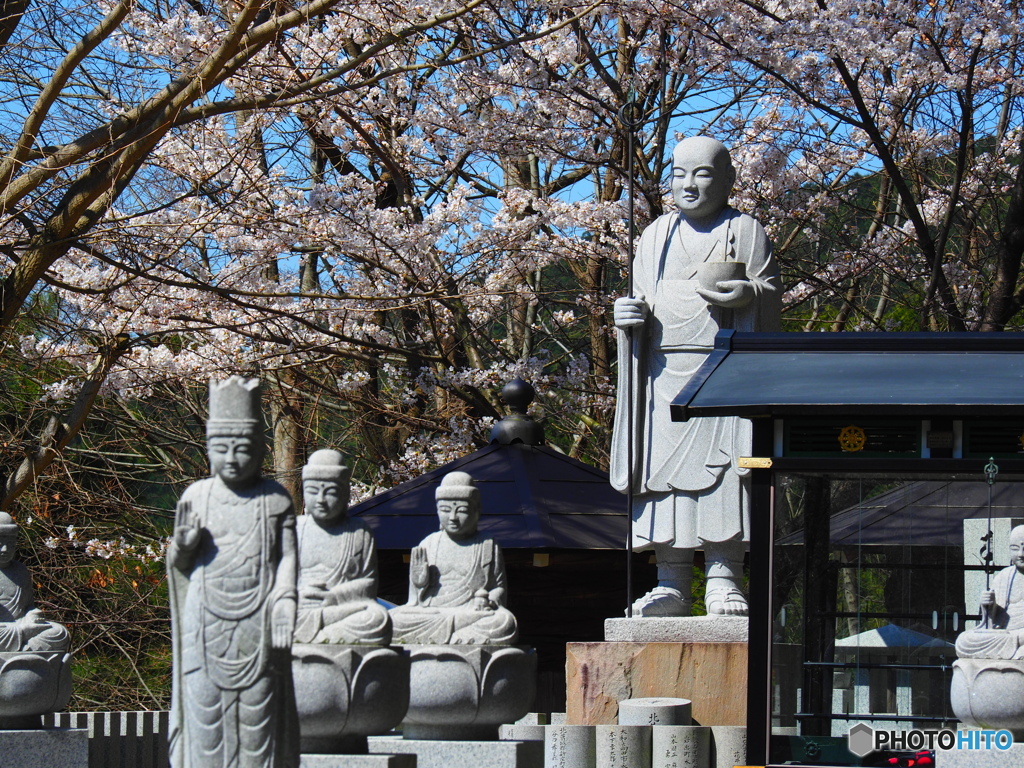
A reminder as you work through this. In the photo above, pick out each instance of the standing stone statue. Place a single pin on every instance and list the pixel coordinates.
(457, 590)
(703, 269)
(337, 562)
(232, 570)
(22, 625)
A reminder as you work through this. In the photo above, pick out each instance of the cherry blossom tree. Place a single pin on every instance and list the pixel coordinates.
(386, 212)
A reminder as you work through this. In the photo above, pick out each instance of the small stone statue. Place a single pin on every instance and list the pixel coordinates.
(22, 626)
(703, 269)
(456, 578)
(1000, 633)
(232, 572)
(337, 562)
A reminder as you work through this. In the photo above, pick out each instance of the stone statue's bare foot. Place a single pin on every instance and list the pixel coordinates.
(662, 601)
(725, 602)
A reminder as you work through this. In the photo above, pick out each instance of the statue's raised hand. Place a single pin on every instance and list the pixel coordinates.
(630, 312)
(186, 527)
(419, 569)
(731, 294)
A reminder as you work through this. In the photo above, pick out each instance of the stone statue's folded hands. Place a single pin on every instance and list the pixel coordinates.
(731, 294)
(315, 592)
(629, 312)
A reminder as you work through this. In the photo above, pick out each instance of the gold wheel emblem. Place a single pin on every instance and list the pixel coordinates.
(852, 439)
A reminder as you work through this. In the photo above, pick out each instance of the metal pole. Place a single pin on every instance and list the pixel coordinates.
(991, 470)
(630, 121)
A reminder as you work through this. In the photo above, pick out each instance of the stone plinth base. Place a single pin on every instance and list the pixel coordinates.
(711, 675)
(686, 629)
(517, 732)
(980, 758)
(358, 761)
(464, 692)
(464, 754)
(45, 748)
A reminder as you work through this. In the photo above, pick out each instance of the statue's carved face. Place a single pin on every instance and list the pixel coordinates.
(1017, 547)
(702, 177)
(458, 518)
(235, 460)
(325, 500)
(8, 547)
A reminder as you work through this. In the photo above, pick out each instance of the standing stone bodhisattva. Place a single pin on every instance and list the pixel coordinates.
(232, 573)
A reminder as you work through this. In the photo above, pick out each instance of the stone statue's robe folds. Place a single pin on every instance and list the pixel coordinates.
(1004, 637)
(442, 612)
(233, 703)
(688, 488)
(343, 558)
(22, 626)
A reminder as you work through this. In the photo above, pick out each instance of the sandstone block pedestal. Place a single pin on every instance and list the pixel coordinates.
(712, 675)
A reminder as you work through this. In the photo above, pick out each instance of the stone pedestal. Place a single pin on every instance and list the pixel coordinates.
(33, 683)
(570, 746)
(989, 693)
(728, 746)
(345, 692)
(980, 758)
(655, 711)
(713, 675)
(463, 754)
(623, 746)
(464, 692)
(687, 629)
(45, 748)
(357, 761)
(681, 746)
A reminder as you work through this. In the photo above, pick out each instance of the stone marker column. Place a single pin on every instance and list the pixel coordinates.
(570, 746)
(623, 746)
(660, 710)
(728, 746)
(681, 746)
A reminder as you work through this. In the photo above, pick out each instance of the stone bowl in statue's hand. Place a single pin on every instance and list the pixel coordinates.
(711, 273)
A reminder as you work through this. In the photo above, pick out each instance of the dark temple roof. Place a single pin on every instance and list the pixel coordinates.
(532, 496)
(874, 373)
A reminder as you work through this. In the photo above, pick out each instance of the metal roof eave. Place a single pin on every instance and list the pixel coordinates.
(819, 374)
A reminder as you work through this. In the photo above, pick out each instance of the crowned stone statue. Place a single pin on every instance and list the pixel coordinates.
(337, 562)
(457, 590)
(232, 573)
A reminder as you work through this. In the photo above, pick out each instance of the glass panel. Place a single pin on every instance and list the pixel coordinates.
(870, 575)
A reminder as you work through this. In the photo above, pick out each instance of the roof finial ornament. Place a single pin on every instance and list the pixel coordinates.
(518, 426)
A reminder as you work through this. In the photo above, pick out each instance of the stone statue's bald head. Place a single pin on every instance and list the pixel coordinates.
(702, 177)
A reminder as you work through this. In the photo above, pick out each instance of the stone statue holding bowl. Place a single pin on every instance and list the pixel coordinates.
(705, 268)
(337, 562)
